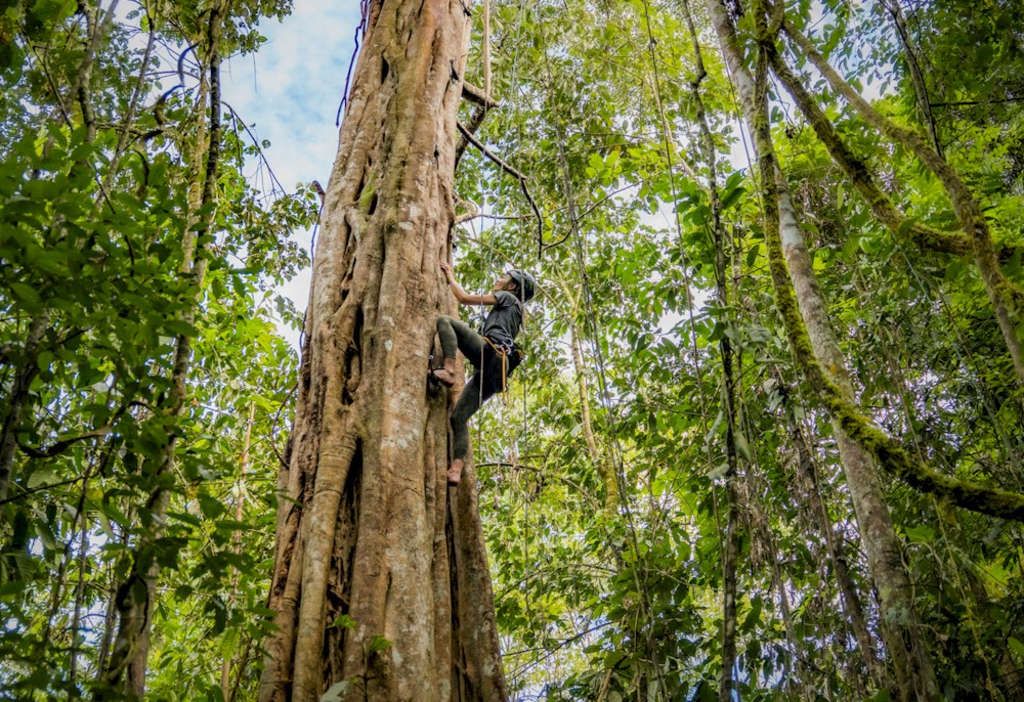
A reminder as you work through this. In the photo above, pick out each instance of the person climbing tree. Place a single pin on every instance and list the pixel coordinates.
(492, 351)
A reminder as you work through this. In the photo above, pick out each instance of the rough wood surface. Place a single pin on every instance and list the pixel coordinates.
(381, 580)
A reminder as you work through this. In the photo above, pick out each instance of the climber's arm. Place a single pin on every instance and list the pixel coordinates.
(461, 295)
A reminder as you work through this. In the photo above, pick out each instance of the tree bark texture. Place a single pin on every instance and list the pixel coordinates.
(807, 474)
(914, 675)
(900, 626)
(380, 587)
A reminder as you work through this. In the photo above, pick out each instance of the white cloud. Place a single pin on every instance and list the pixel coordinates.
(288, 92)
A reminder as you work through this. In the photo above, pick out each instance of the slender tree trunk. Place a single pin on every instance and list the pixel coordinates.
(380, 587)
(732, 536)
(1003, 296)
(731, 550)
(18, 399)
(584, 394)
(900, 625)
(76, 617)
(236, 539)
(730, 556)
(852, 606)
(125, 672)
(914, 68)
(604, 466)
(110, 613)
(915, 676)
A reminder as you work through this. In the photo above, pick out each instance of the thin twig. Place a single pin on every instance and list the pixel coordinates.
(968, 103)
(60, 446)
(515, 174)
(483, 215)
(256, 143)
(40, 488)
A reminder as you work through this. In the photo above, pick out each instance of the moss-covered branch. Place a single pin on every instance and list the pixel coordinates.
(887, 451)
(857, 171)
(1006, 300)
(890, 454)
(828, 392)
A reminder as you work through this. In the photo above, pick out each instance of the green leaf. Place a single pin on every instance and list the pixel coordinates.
(343, 621)
(378, 643)
(210, 506)
(742, 446)
(733, 180)
(753, 616)
(180, 327)
(42, 476)
(27, 296)
(219, 610)
(920, 533)
(731, 197)
(186, 518)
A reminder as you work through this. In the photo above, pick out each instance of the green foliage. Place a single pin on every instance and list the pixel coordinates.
(603, 487)
(97, 163)
(623, 603)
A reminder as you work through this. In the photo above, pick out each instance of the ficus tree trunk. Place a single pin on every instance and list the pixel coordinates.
(380, 587)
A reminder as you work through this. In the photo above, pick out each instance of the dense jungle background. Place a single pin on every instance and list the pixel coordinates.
(737, 464)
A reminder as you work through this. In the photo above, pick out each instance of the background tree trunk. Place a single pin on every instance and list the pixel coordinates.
(914, 675)
(125, 672)
(380, 588)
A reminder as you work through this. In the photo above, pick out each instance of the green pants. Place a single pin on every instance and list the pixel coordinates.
(456, 334)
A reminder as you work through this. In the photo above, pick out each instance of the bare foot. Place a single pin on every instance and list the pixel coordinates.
(444, 376)
(455, 471)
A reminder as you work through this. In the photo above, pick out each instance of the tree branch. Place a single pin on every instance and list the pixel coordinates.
(477, 96)
(40, 488)
(857, 171)
(512, 172)
(62, 445)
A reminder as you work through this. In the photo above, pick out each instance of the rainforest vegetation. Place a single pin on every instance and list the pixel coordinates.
(767, 442)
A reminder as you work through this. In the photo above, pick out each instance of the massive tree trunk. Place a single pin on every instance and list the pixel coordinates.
(380, 588)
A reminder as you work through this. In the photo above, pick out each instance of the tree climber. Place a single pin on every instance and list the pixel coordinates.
(492, 352)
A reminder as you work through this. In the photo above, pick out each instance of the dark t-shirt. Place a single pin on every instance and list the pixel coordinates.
(503, 321)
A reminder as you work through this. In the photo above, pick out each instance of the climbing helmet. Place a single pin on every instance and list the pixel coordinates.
(525, 283)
